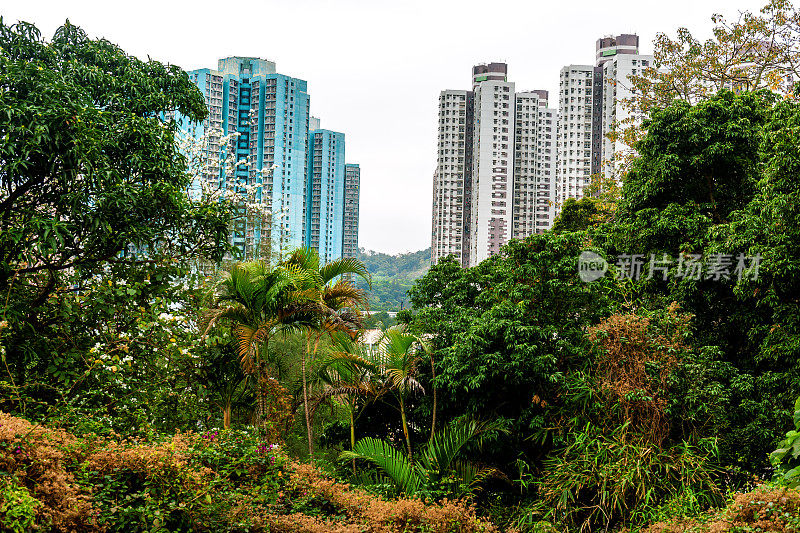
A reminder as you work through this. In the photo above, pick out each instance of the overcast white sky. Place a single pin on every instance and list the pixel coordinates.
(375, 68)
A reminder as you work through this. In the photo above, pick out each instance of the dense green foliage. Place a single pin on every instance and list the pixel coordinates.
(516, 338)
(576, 215)
(98, 236)
(705, 184)
(552, 402)
(508, 330)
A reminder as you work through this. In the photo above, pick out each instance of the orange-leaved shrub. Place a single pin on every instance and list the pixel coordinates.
(636, 356)
(766, 508)
(38, 457)
(380, 515)
(206, 483)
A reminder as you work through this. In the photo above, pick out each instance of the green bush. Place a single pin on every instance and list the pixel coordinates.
(601, 480)
(786, 459)
(17, 506)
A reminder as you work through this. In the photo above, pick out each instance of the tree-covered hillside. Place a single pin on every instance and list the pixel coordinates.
(392, 276)
(411, 265)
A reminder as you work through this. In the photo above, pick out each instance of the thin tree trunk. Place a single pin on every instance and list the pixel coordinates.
(261, 410)
(305, 399)
(353, 435)
(226, 416)
(405, 426)
(433, 386)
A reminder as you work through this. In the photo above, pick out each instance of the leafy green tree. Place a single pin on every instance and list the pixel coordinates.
(89, 169)
(696, 166)
(576, 215)
(768, 227)
(717, 178)
(508, 336)
(97, 231)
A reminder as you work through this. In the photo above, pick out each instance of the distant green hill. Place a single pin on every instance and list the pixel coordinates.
(392, 276)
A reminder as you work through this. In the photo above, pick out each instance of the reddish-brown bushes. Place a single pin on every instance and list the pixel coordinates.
(636, 357)
(168, 460)
(772, 509)
(366, 512)
(46, 462)
(38, 457)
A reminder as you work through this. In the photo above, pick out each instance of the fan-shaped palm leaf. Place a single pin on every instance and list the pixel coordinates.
(437, 462)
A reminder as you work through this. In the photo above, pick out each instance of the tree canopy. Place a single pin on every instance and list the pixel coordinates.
(89, 167)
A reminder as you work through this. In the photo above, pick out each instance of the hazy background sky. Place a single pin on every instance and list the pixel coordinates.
(375, 68)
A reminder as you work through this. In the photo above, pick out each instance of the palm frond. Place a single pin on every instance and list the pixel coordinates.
(353, 360)
(343, 294)
(245, 347)
(342, 389)
(347, 321)
(209, 319)
(471, 474)
(307, 259)
(446, 443)
(380, 453)
(345, 265)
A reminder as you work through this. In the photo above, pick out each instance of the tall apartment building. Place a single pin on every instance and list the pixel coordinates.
(269, 112)
(452, 181)
(534, 164)
(576, 130)
(293, 166)
(590, 106)
(616, 115)
(493, 144)
(352, 188)
(495, 166)
(325, 196)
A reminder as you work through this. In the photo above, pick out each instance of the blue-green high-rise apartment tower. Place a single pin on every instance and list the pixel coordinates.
(292, 164)
(269, 112)
(325, 198)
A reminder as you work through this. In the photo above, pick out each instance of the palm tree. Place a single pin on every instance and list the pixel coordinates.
(347, 373)
(223, 378)
(257, 300)
(325, 306)
(398, 356)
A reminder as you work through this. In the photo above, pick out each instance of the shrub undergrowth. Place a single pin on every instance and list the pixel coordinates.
(230, 480)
